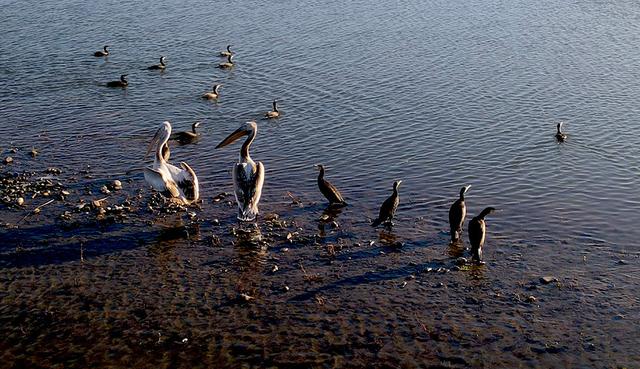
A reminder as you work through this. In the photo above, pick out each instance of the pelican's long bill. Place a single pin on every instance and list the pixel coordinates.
(155, 140)
(240, 132)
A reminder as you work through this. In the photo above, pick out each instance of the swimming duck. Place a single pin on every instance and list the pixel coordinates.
(228, 64)
(228, 52)
(103, 52)
(560, 136)
(121, 83)
(160, 66)
(273, 113)
(213, 94)
(187, 137)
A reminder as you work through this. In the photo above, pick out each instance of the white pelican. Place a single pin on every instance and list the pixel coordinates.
(273, 113)
(248, 176)
(228, 52)
(179, 185)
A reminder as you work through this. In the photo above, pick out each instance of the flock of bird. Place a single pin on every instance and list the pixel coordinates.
(180, 184)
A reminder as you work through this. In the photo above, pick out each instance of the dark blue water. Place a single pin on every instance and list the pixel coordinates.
(440, 94)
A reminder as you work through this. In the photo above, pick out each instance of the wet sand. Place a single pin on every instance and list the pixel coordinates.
(137, 286)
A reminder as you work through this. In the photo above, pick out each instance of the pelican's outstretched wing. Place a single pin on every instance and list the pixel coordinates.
(248, 179)
(166, 186)
(188, 183)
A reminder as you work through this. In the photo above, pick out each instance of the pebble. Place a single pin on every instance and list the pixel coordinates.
(548, 279)
(116, 185)
(8, 160)
(52, 170)
(245, 297)
(461, 261)
(20, 201)
(105, 190)
(531, 299)
(271, 217)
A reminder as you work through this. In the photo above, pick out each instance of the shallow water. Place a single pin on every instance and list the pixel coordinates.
(440, 94)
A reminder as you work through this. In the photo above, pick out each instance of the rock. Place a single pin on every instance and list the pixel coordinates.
(33, 153)
(215, 222)
(548, 279)
(105, 190)
(8, 160)
(20, 201)
(96, 204)
(622, 262)
(286, 288)
(65, 193)
(531, 299)
(116, 185)
(335, 224)
(271, 217)
(472, 301)
(455, 268)
(244, 297)
(461, 261)
(274, 269)
(52, 170)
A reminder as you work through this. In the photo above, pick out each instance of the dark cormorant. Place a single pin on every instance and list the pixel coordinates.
(389, 207)
(328, 190)
(457, 214)
(477, 230)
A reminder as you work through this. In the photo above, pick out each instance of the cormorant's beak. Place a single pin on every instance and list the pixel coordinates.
(466, 188)
(399, 183)
(233, 137)
(317, 166)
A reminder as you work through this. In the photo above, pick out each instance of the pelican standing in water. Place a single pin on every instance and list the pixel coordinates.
(187, 137)
(178, 184)
(103, 52)
(273, 113)
(121, 83)
(389, 207)
(228, 52)
(248, 176)
(213, 94)
(228, 64)
(160, 66)
(457, 214)
(328, 190)
(560, 136)
(477, 231)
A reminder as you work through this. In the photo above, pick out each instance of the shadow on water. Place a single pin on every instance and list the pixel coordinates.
(368, 277)
(47, 244)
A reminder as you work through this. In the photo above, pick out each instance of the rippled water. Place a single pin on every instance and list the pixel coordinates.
(437, 93)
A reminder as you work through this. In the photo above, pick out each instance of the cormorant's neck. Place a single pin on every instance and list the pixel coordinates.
(193, 128)
(275, 107)
(321, 174)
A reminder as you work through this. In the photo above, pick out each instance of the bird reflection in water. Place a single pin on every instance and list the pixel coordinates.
(171, 237)
(329, 217)
(249, 260)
